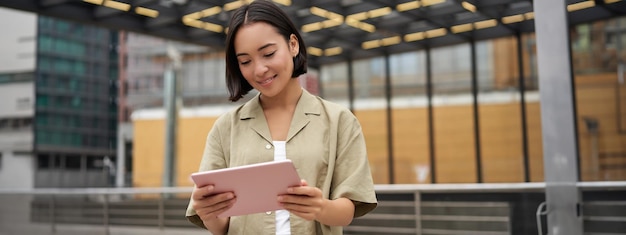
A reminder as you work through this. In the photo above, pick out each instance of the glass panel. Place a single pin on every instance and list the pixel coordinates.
(410, 118)
(499, 111)
(598, 51)
(334, 79)
(533, 110)
(369, 108)
(455, 159)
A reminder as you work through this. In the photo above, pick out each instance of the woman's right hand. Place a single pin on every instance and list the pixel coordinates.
(209, 205)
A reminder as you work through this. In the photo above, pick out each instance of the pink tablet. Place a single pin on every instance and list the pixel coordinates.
(256, 186)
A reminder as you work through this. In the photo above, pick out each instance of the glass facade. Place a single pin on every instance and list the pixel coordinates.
(76, 96)
(482, 122)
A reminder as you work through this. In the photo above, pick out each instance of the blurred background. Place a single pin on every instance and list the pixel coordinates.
(105, 108)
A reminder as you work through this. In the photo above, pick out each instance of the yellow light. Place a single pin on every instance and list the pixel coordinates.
(407, 6)
(283, 2)
(357, 16)
(468, 6)
(194, 15)
(117, 5)
(361, 25)
(314, 51)
(462, 28)
(210, 11)
(331, 23)
(193, 22)
(333, 51)
(97, 2)
(433, 33)
(391, 41)
(370, 44)
(485, 24)
(512, 19)
(146, 12)
(414, 36)
(233, 5)
(581, 5)
(318, 11)
(367, 27)
(334, 16)
(529, 15)
(431, 2)
(312, 27)
(213, 27)
(379, 12)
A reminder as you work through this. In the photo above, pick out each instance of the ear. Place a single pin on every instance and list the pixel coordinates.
(294, 45)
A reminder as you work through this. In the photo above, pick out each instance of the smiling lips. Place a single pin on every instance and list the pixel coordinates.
(266, 81)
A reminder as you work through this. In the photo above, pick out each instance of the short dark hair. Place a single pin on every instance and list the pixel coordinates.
(259, 11)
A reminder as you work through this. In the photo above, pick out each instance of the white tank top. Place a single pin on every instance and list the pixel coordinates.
(282, 216)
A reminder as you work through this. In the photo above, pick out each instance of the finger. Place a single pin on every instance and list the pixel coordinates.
(201, 192)
(303, 182)
(304, 191)
(209, 208)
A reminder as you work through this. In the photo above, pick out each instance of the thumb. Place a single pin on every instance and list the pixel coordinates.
(303, 183)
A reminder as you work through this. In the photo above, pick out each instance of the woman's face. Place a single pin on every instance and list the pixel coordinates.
(265, 58)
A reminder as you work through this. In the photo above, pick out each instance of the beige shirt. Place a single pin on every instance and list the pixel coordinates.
(325, 142)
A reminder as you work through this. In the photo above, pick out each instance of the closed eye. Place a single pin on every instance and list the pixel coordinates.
(270, 54)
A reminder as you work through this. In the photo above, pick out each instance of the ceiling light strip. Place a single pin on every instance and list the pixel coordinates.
(414, 36)
(312, 27)
(379, 12)
(433, 33)
(233, 5)
(333, 51)
(581, 5)
(147, 12)
(370, 44)
(116, 5)
(203, 25)
(513, 19)
(391, 41)
(283, 2)
(462, 28)
(314, 51)
(468, 6)
(407, 6)
(96, 2)
(426, 3)
(485, 24)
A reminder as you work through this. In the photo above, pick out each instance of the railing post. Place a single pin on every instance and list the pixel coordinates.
(105, 213)
(52, 212)
(418, 212)
(161, 212)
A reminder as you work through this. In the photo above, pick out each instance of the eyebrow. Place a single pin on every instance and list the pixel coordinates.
(260, 49)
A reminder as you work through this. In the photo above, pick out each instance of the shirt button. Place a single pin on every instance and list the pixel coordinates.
(269, 146)
(268, 213)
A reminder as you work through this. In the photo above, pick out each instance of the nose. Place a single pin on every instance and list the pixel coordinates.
(260, 69)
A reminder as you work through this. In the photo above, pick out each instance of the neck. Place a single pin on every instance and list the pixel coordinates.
(286, 99)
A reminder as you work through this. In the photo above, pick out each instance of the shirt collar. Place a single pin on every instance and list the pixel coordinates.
(308, 104)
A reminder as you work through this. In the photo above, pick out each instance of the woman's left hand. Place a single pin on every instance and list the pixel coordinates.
(304, 201)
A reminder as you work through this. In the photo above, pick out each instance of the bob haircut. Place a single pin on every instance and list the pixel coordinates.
(258, 11)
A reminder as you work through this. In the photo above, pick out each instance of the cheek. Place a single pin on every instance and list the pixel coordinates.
(246, 71)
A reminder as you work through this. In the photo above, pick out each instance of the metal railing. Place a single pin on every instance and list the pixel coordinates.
(403, 209)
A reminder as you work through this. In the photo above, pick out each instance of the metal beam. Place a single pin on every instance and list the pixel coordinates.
(556, 90)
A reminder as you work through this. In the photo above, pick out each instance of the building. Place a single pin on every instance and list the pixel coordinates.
(60, 105)
(17, 66)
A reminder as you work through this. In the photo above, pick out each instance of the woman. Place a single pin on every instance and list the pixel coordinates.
(264, 51)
